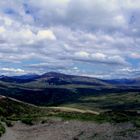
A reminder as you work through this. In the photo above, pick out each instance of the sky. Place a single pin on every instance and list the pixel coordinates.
(98, 38)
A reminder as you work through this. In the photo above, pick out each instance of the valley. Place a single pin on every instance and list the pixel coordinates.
(71, 106)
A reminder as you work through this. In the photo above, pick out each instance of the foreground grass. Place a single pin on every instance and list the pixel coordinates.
(14, 111)
(109, 101)
(2, 129)
(111, 117)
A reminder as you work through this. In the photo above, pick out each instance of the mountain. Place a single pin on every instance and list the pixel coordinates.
(68, 97)
(50, 88)
(53, 78)
(124, 82)
(64, 79)
(27, 76)
(19, 79)
(57, 88)
(53, 74)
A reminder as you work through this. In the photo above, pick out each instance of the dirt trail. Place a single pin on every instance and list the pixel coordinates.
(71, 130)
(65, 109)
(70, 109)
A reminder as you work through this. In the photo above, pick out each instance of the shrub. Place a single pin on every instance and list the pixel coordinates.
(137, 123)
(2, 129)
(28, 121)
(9, 123)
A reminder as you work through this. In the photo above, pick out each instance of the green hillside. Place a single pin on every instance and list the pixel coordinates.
(13, 110)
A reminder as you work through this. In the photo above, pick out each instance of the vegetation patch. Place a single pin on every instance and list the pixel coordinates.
(28, 121)
(2, 129)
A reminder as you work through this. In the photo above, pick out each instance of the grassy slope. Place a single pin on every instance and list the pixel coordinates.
(105, 102)
(14, 110)
(11, 110)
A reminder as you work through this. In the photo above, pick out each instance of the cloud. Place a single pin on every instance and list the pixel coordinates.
(12, 71)
(87, 14)
(46, 34)
(135, 55)
(100, 58)
(84, 36)
(82, 54)
(2, 30)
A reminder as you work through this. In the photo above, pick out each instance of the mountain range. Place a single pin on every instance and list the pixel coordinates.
(64, 79)
(57, 88)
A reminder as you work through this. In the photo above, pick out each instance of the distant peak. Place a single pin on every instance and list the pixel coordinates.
(2, 76)
(52, 74)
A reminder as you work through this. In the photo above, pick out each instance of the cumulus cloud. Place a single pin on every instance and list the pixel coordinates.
(12, 71)
(100, 58)
(2, 30)
(46, 34)
(83, 37)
